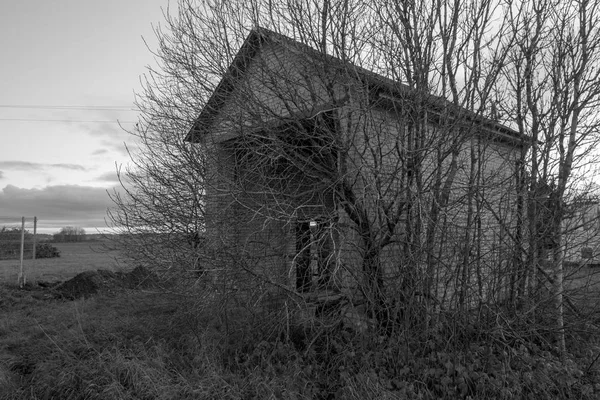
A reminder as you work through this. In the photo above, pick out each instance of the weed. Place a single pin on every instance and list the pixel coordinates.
(159, 345)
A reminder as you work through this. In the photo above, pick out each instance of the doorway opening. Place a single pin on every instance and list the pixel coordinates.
(314, 255)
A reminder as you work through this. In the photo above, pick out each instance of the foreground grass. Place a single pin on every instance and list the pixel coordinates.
(103, 347)
(155, 345)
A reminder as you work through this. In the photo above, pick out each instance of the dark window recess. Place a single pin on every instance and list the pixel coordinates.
(309, 145)
(314, 255)
(303, 150)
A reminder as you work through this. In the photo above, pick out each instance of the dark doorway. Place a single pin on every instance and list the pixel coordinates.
(303, 270)
(314, 250)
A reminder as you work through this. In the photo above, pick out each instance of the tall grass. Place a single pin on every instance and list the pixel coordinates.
(160, 345)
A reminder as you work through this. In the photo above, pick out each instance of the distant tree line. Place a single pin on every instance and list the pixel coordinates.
(70, 234)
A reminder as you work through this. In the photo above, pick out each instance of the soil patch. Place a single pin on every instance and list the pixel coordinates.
(89, 283)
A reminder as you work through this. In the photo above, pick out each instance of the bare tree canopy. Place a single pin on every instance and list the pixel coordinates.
(419, 161)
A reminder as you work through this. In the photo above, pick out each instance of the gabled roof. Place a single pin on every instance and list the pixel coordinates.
(237, 68)
(386, 89)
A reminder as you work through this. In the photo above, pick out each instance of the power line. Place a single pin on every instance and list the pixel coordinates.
(68, 120)
(69, 107)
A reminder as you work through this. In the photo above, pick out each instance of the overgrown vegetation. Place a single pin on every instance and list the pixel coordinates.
(160, 345)
(377, 200)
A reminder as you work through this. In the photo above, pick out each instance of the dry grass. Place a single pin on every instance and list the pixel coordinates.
(75, 258)
(151, 345)
(134, 344)
(82, 349)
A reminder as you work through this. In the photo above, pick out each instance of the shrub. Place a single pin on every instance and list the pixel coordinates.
(46, 250)
(10, 242)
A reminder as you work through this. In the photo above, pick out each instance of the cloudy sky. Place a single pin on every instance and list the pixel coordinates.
(68, 72)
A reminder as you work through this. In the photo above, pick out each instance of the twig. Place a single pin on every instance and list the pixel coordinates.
(587, 370)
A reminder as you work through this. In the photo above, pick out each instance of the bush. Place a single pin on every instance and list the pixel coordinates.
(46, 250)
(10, 242)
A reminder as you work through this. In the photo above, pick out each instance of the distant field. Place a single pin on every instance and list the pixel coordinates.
(74, 258)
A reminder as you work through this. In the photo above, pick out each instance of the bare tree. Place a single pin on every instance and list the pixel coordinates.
(377, 165)
(360, 148)
(447, 49)
(554, 89)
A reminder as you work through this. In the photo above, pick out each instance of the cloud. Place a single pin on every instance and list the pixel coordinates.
(110, 176)
(100, 152)
(111, 134)
(22, 165)
(31, 166)
(1, 175)
(57, 206)
(116, 147)
(75, 167)
(110, 130)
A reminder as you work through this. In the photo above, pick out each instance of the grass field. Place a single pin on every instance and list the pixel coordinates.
(159, 342)
(74, 258)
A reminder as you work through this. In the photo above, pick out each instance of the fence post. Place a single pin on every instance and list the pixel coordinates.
(34, 235)
(21, 275)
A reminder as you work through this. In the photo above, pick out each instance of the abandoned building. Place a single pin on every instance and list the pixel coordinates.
(324, 175)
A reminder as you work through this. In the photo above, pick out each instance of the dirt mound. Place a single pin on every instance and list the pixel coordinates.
(89, 283)
(86, 284)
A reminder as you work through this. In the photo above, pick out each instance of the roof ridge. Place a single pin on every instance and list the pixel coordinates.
(260, 34)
